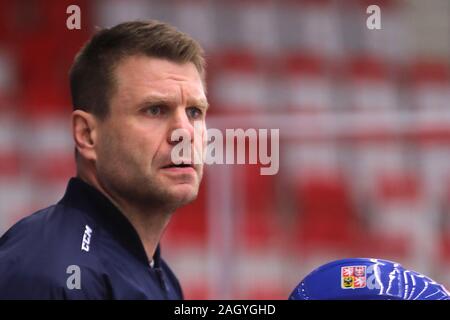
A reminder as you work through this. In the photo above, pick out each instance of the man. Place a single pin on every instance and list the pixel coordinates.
(132, 86)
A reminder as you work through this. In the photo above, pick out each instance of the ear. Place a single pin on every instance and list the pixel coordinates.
(84, 131)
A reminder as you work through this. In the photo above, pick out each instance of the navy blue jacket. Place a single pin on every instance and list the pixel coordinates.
(81, 248)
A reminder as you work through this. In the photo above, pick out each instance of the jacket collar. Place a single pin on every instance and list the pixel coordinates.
(83, 196)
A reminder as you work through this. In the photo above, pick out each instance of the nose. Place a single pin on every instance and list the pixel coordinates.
(183, 125)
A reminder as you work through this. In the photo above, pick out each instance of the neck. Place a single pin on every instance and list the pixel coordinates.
(148, 221)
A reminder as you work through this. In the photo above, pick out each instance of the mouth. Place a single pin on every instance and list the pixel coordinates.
(182, 167)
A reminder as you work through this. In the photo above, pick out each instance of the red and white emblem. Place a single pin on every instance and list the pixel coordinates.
(359, 282)
(353, 277)
(360, 271)
(347, 271)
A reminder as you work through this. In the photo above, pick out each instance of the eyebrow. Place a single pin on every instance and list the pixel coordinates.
(203, 104)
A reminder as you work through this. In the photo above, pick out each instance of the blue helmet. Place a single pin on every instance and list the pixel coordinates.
(367, 279)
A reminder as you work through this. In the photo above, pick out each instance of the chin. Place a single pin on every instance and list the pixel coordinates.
(184, 194)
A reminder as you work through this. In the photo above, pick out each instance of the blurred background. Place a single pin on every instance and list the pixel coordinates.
(364, 119)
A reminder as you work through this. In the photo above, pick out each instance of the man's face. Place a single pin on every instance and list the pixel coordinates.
(152, 98)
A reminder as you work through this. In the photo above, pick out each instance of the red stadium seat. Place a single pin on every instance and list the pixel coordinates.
(444, 245)
(199, 291)
(369, 84)
(397, 197)
(398, 186)
(388, 246)
(429, 83)
(9, 163)
(425, 71)
(48, 149)
(45, 49)
(10, 158)
(307, 79)
(265, 290)
(259, 224)
(238, 85)
(327, 217)
(429, 95)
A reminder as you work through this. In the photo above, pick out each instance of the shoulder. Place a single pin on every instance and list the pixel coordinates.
(48, 255)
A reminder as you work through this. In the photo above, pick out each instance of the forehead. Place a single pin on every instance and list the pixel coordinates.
(138, 76)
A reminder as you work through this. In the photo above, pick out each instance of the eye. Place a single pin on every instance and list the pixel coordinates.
(154, 111)
(194, 112)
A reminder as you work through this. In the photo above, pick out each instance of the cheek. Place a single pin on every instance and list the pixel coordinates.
(119, 148)
(200, 137)
(110, 151)
(132, 146)
(144, 145)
